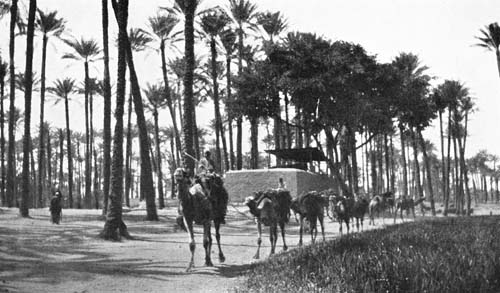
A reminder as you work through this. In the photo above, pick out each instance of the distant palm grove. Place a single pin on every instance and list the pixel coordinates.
(294, 90)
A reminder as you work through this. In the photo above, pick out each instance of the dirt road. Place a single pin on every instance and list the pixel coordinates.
(37, 256)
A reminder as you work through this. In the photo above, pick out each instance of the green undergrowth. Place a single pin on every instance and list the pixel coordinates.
(438, 255)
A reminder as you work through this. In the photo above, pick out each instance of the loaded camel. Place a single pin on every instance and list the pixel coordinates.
(379, 203)
(341, 209)
(359, 209)
(406, 204)
(270, 208)
(310, 206)
(200, 204)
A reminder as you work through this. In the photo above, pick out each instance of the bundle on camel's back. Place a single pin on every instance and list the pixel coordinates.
(200, 204)
(406, 204)
(310, 206)
(271, 208)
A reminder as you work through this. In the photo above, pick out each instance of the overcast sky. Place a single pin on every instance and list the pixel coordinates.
(440, 32)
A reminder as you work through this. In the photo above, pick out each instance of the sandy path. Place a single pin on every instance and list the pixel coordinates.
(37, 256)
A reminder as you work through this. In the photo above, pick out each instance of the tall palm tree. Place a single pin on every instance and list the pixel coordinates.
(162, 27)
(11, 171)
(156, 97)
(136, 41)
(243, 13)
(213, 23)
(490, 39)
(28, 72)
(409, 67)
(107, 109)
(274, 24)
(62, 89)
(188, 8)
(228, 39)
(3, 73)
(49, 25)
(86, 51)
(114, 226)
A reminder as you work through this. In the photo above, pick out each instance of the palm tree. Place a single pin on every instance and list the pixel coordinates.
(408, 66)
(62, 89)
(213, 23)
(243, 12)
(48, 24)
(86, 51)
(138, 41)
(156, 97)
(114, 226)
(228, 39)
(162, 27)
(107, 109)
(188, 8)
(3, 74)
(274, 24)
(11, 171)
(490, 39)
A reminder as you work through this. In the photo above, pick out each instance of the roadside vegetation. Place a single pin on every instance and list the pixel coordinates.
(438, 255)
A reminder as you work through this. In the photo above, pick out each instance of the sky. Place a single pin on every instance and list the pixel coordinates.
(441, 32)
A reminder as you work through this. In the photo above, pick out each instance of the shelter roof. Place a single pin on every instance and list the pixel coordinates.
(299, 155)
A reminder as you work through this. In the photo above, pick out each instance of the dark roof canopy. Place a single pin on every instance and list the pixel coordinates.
(299, 155)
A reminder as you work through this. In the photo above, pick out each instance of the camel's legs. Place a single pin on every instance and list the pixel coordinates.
(301, 229)
(282, 227)
(320, 218)
(217, 237)
(340, 226)
(313, 229)
(192, 244)
(207, 244)
(273, 236)
(259, 239)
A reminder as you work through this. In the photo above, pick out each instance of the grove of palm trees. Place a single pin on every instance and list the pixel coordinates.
(131, 98)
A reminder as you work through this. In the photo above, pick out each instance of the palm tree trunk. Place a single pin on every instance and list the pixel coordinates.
(403, 162)
(114, 225)
(128, 154)
(189, 127)
(239, 119)
(170, 103)
(49, 158)
(218, 120)
(2, 144)
(229, 114)
(88, 162)
(254, 137)
(443, 162)
(387, 164)
(107, 110)
(61, 158)
(448, 166)
(146, 170)
(287, 119)
(428, 173)
(11, 156)
(498, 59)
(41, 144)
(161, 197)
(418, 184)
(70, 155)
(28, 73)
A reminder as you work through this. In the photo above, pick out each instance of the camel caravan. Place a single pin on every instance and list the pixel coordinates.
(204, 200)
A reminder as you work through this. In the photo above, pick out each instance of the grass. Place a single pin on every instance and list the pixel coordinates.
(439, 255)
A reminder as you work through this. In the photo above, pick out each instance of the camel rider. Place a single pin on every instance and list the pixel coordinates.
(206, 165)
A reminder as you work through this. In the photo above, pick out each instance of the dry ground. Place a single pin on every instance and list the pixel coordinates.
(37, 256)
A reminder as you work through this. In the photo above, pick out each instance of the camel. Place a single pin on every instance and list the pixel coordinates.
(310, 206)
(359, 209)
(199, 204)
(271, 208)
(378, 204)
(341, 208)
(406, 204)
